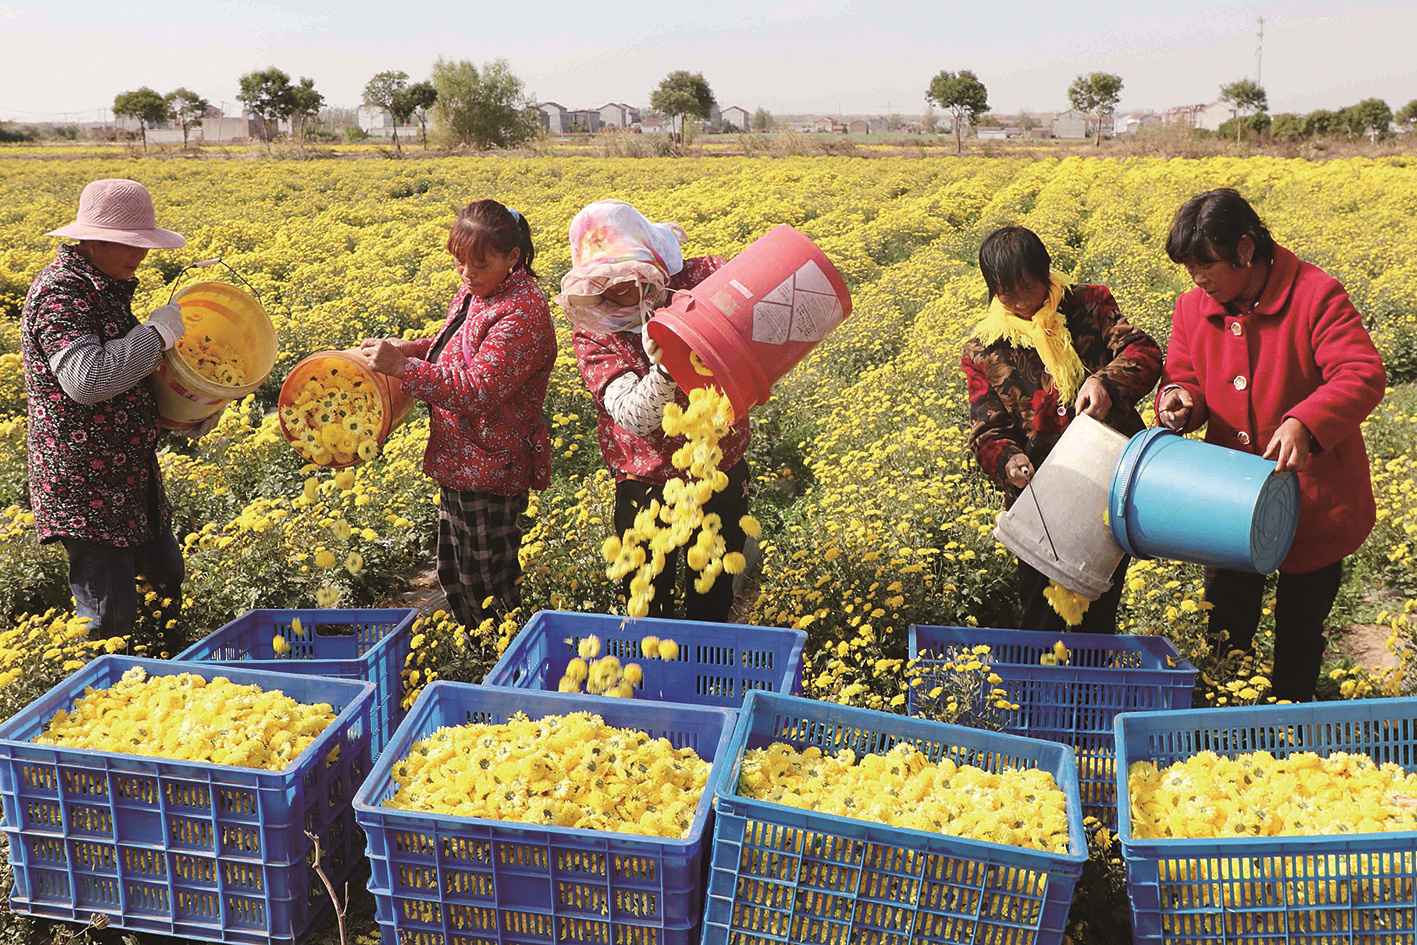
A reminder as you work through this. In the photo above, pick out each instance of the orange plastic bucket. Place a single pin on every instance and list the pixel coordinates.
(752, 321)
(392, 404)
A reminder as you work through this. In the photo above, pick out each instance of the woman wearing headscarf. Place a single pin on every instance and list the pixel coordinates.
(1045, 352)
(624, 268)
(1270, 355)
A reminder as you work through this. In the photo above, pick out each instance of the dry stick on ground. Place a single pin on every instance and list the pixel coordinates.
(330, 888)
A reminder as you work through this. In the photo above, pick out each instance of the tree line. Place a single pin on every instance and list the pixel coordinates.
(488, 106)
(966, 98)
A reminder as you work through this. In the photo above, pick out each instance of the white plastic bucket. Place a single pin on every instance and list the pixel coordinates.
(1059, 523)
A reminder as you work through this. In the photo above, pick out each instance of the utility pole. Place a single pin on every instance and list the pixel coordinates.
(1259, 50)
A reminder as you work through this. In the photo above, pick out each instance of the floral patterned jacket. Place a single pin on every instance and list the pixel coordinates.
(605, 357)
(486, 391)
(1013, 405)
(93, 468)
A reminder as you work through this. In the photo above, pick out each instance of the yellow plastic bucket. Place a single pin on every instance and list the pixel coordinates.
(226, 319)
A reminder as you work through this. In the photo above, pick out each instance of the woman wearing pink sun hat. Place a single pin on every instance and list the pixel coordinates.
(95, 484)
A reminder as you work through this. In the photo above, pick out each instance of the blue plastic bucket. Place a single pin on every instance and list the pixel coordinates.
(1172, 497)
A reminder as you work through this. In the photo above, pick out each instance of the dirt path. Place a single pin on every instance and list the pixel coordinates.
(1366, 643)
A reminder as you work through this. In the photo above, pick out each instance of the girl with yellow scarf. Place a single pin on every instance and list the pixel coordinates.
(1044, 352)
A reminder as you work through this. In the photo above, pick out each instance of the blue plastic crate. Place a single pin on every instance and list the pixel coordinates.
(718, 663)
(197, 851)
(371, 645)
(469, 880)
(1073, 704)
(1348, 888)
(782, 874)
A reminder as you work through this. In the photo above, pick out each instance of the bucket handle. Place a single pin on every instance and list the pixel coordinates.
(212, 262)
(1123, 477)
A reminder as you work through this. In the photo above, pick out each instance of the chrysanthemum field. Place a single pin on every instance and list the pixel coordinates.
(874, 515)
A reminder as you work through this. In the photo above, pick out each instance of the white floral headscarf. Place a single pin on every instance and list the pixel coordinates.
(612, 242)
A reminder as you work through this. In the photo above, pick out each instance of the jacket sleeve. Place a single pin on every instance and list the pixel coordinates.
(509, 355)
(601, 362)
(420, 349)
(1180, 371)
(1353, 376)
(994, 433)
(1136, 357)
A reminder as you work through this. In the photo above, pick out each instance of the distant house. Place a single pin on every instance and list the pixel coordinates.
(859, 126)
(655, 126)
(824, 124)
(617, 115)
(218, 127)
(376, 121)
(1132, 122)
(554, 118)
(585, 120)
(1070, 124)
(1208, 117)
(736, 117)
(991, 132)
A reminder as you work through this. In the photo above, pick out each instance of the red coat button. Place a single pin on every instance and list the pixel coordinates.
(1240, 382)
(1243, 437)
(1237, 329)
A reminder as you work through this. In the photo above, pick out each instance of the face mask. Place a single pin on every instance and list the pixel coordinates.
(606, 317)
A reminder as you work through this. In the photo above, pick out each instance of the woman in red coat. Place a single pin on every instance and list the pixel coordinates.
(484, 377)
(1268, 352)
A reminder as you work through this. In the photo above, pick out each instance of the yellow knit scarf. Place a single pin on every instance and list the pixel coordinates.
(1046, 332)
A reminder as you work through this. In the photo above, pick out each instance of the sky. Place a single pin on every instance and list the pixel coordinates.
(67, 59)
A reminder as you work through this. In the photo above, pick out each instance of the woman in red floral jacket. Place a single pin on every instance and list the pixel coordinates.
(1268, 352)
(484, 377)
(1045, 352)
(623, 268)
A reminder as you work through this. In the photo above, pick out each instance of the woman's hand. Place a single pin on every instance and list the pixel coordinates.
(1093, 399)
(1289, 447)
(1018, 470)
(1173, 410)
(384, 355)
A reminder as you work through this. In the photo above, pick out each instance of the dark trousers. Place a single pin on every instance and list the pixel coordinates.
(104, 581)
(479, 547)
(731, 504)
(1038, 614)
(1302, 603)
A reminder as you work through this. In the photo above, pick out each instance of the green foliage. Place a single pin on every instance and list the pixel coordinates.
(415, 102)
(962, 95)
(188, 108)
(483, 109)
(1407, 115)
(1370, 117)
(1096, 92)
(385, 90)
(147, 106)
(1286, 126)
(266, 92)
(682, 95)
(305, 103)
(1245, 96)
(761, 120)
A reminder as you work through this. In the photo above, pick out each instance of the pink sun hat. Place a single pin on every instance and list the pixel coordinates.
(119, 211)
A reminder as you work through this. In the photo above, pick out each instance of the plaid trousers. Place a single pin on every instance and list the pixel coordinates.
(479, 538)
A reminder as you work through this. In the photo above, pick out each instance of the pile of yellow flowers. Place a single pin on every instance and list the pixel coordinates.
(606, 676)
(1257, 795)
(903, 788)
(663, 528)
(334, 418)
(189, 718)
(1066, 602)
(214, 360)
(561, 770)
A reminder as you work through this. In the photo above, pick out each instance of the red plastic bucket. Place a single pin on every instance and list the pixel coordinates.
(753, 320)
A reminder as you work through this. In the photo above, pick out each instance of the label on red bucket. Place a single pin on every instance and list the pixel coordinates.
(803, 307)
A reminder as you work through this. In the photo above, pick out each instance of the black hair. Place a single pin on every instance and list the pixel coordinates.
(1209, 227)
(487, 223)
(1010, 256)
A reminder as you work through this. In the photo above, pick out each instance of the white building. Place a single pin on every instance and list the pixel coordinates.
(1070, 124)
(618, 115)
(555, 118)
(736, 116)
